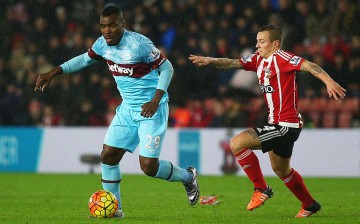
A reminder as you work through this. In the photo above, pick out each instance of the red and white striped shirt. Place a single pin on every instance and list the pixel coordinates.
(276, 75)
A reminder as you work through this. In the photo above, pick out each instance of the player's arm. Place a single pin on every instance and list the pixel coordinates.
(219, 63)
(73, 65)
(333, 88)
(166, 72)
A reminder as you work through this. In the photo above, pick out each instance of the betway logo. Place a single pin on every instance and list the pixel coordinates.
(122, 70)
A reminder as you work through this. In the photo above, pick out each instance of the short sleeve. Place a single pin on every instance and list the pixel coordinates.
(295, 62)
(289, 62)
(95, 51)
(249, 62)
(151, 54)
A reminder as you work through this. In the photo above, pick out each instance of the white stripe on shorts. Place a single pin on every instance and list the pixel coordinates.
(274, 134)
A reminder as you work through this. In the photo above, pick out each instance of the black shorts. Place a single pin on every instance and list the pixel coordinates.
(279, 139)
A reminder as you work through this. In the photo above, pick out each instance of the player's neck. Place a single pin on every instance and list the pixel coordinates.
(271, 53)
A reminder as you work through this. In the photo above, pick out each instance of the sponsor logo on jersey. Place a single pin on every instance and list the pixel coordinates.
(121, 70)
(267, 89)
(155, 53)
(295, 60)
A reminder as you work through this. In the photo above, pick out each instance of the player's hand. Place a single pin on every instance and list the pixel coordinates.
(200, 60)
(335, 90)
(149, 109)
(42, 81)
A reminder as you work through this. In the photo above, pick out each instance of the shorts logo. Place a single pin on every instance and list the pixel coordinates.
(295, 60)
(266, 128)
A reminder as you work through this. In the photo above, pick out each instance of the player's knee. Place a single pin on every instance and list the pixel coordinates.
(280, 171)
(110, 155)
(236, 144)
(149, 168)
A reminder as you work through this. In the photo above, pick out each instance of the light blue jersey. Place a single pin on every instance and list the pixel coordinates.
(140, 70)
(135, 64)
(132, 62)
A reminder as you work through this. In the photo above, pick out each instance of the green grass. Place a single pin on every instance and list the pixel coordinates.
(62, 198)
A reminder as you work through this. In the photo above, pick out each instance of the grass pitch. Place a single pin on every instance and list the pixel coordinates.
(62, 198)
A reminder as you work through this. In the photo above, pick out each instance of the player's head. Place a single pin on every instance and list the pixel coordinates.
(112, 24)
(268, 40)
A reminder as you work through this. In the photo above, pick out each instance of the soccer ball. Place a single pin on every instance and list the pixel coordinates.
(103, 204)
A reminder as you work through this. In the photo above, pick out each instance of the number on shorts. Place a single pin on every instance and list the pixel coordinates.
(156, 141)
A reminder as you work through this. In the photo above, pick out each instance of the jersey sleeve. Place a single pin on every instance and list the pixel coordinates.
(249, 62)
(151, 54)
(95, 51)
(292, 63)
(77, 63)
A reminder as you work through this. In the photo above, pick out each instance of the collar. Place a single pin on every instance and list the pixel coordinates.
(269, 59)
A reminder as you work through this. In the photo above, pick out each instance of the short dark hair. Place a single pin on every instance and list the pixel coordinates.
(113, 10)
(275, 32)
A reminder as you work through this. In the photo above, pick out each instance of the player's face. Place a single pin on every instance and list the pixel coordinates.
(112, 28)
(264, 45)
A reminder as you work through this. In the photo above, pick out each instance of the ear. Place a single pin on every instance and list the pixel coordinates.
(275, 43)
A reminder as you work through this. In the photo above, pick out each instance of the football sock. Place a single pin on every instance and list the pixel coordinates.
(296, 185)
(110, 178)
(167, 171)
(250, 164)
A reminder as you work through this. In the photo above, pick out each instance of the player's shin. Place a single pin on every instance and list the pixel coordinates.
(296, 185)
(167, 171)
(250, 164)
(111, 178)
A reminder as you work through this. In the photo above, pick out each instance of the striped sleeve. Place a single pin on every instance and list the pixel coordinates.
(290, 61)
(249, 62)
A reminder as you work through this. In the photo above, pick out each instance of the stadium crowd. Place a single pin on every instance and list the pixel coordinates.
(39, 34)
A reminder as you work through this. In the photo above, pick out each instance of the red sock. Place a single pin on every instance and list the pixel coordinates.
(296, 185)
(250, 164)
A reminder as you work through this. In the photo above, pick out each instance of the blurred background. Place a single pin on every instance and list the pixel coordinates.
(37, 35)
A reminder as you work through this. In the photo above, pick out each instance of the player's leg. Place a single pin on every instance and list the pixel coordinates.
(295, 183)
(164, 169)
(110, 170)
(241, 146)
(267, 138)
(151, 133)
(121, 136)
